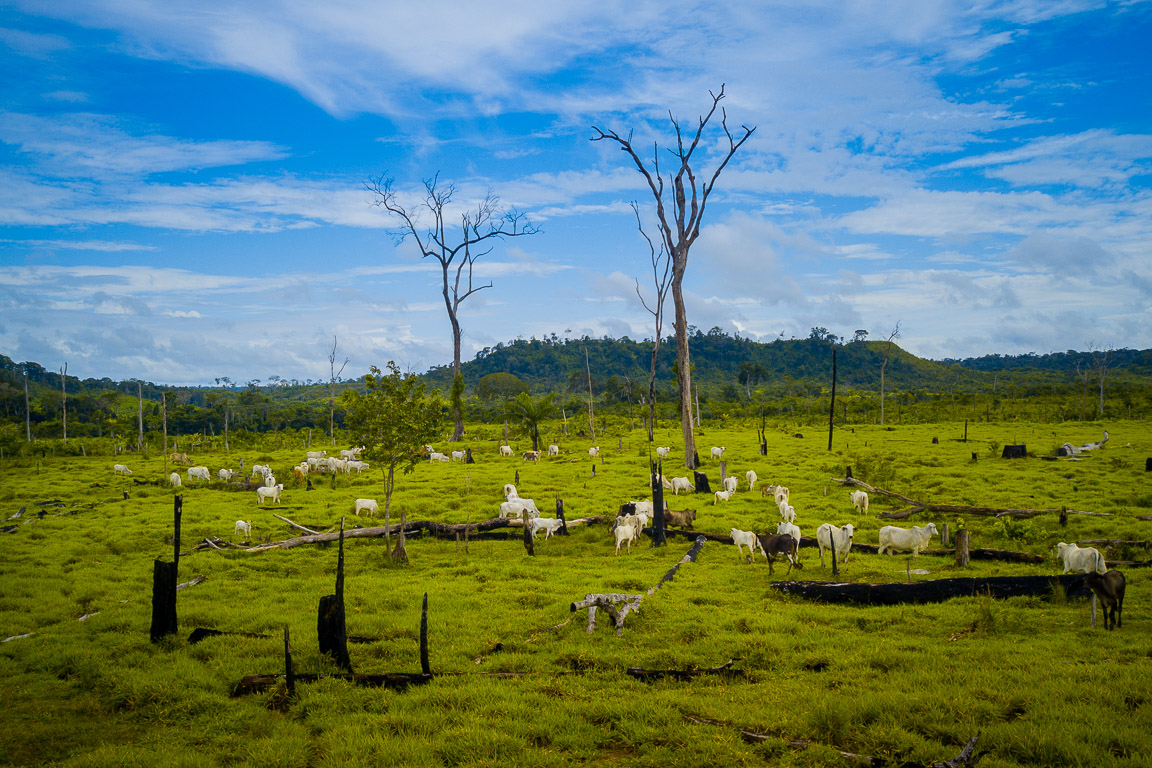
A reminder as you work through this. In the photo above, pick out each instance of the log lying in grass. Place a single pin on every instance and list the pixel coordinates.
(915, 507)
(648, 675)
(935, 591)
(397, 681)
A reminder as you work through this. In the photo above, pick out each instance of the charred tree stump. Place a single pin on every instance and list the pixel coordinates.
(164, 583)
(1015, 452)
(289, 674)
(723, 472)
(658, 537)
(832, 406)
(702, 483)
(425, 667)
(1148, 464)
(330, 625)
(1063, 517)
(560, 516)
(527, 533)
(962, 548)
(835, 569)
(468, 456)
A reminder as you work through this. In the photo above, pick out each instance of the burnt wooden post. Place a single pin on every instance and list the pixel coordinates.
(762, 439)
(330, 625)
(701, 482)
(962, 548)
(517, 477)
(835, 568)
(1019, 451)
(468, 456)
(695, 459)
(425, 667)
(1148, 464)
(527, 533)
(832, 407)
(560, 516)
(164, 578)
(658, 537)
(848, 473)
(944, 535)
(289, 674)
(965, 430)
(1063, 517)
(723, 472)
(935, 441)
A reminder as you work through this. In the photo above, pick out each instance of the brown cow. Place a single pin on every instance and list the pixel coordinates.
(779, 544)
(1110, 589)
(681, 518)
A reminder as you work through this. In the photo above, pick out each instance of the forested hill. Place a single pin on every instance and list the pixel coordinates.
(725, 364)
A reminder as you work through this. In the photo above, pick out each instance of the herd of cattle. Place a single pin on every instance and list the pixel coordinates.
(634, 516)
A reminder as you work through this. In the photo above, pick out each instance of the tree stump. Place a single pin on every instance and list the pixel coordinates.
(468, 456)
(527, 533)
(1148, 464)
(962, 548)
(560, 516)
(330, 626)
(944, 536)
(163, 599)
(1014, 452)
(935, 441)
(702, 483)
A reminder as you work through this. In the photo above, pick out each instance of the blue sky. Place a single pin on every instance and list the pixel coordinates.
(182, 192)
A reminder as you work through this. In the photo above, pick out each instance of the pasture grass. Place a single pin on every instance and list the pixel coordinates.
(910, 682)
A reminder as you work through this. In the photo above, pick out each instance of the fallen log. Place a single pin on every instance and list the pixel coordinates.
(200, 633)
(648, 675)
(397, 681)
(195, 580)
(755, 737)
(935, 591)
(952, 509)
(297, 526)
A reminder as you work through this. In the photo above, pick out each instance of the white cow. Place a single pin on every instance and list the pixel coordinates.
(721, 496)
(787, 512)
(860, 501)
(266, 492)
(513, 507)
(893, 539)
(594, 451)
(626, 532)
(730, 484)
(663, 451)
(747, 539)
(547, 524)
(718, 453)
(244, 527)
(681, 484)
(553, 450)
(791, 529)
(459, 455)
(120, 469)
(828, 534)
(225, 474)
(366, 505)
(198, 473)
(174, 480)
(506, 450)
(1083, 559)
(750, 476)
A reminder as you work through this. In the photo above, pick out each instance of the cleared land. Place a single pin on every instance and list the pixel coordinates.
(901, 683)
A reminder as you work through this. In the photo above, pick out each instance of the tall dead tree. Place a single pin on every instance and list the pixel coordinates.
(64, 400)
(1101, 362)
(27, 410)
(661, 277)
(140, 413)
(679, 220)
(334, 376)
(884, 365)
(456, 253)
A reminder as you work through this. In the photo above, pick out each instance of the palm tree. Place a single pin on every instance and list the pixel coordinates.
(532, 412)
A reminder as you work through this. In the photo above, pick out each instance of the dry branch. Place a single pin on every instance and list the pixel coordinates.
(953, 509)
(648, 675)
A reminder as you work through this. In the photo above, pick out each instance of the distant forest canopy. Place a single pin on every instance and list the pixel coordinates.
(786, 380)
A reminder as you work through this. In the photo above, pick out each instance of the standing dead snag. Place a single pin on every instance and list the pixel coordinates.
(679, 230)
(330, 626)
(164, 587)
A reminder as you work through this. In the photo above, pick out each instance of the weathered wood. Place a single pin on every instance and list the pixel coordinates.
(690, 557)
(330, 621)
(648, 675)
(934, 591)
(962, 548)
(196, 580)
(529, 542)
(659, 537)
(755, 737)
(397, 681)
(1019, 451)
(297, 526)
(952, 509)
(202, 633)
(701, 482)
(289, 673)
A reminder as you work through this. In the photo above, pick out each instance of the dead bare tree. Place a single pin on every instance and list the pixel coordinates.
(456, 254)
(661, 277)
(1101, 362)
(884, 365)
(680, 226)
(64, 400)
(333, 377)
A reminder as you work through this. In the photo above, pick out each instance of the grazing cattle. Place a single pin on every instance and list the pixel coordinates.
(436, 456)
(180, 458)
(681, 484)
(120, 469)
(680, 518)
(773, 544)
(266, 492)
(244, 527)
(1083, 559)
(625, 532)
(509, 492)
(787, 512)
(594, 451)
(198, 473)
(225, 474)
(829, 535)
(1110, 589)
(791, 529)
(860, 501)
(174, 480)
(718, 453)
(459, 455)
(532, 456)
(893, 539)
(663, 451)
(730, 484)
(721, 496)
(365, 505)
(746, 539)
(513, 507)
(750, 476)
(547, 524)
(506, 450)
(553, 450)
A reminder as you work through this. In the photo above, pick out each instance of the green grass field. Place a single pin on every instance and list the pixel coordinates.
(903, 683)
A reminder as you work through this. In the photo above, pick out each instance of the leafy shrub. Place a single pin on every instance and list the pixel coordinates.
(1019, 531)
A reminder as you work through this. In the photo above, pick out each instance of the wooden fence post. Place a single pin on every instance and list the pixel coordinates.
(835, 569)
(560, 516)
(944, 537)
(289, 674)
(658, 537)
(425, 667)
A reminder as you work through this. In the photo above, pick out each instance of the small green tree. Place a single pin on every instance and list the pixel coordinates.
(393, 420)
(532, 412)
